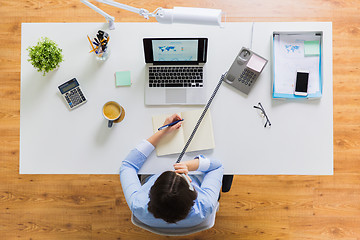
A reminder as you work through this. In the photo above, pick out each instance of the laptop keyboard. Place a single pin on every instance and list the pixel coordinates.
(175, 76)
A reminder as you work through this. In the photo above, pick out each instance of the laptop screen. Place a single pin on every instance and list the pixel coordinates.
(175, 50)
(171, 51)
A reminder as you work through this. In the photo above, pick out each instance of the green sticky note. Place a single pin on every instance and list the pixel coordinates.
(122, 78)
(311, 48)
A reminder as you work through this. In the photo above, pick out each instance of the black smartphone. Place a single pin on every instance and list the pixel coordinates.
(302, 81)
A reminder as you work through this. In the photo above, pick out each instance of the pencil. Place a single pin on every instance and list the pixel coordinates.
(94, 50)
(91, 43)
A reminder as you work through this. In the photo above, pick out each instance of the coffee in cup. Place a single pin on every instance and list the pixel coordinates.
(112, 111)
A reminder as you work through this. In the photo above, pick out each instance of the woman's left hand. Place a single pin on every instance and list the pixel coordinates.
(182, 168)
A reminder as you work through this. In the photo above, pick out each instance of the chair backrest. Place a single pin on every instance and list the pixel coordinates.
(208, 223)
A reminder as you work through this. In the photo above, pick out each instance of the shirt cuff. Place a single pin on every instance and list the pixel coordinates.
(145, 148)
(204, 163)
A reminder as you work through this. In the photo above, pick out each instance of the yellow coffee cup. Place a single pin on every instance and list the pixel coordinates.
(111, 111)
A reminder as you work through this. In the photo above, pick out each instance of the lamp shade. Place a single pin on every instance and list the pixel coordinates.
(204, 16)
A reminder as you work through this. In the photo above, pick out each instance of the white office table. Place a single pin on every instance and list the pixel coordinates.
(54, 140)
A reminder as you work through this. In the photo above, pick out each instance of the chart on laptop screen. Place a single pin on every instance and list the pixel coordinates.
(175, 50)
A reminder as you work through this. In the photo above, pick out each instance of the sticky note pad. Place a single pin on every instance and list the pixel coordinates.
(122, 78)
(311, 48)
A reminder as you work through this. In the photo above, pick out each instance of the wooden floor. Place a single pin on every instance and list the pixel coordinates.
(257, 207)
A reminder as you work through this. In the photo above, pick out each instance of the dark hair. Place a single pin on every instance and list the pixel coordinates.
(170, 197)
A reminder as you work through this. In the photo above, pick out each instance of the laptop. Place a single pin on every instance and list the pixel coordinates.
(175, 71)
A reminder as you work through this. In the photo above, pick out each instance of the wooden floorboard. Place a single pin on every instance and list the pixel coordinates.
(257, 207)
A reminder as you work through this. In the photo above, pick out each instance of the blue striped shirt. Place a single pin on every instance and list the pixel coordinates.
(137, 195)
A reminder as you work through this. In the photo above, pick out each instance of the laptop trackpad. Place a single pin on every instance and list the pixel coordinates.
(175, 95)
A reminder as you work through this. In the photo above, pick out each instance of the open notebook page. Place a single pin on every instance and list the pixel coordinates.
(204, 136)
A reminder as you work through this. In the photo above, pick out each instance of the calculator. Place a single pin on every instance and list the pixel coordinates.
(245, 69)
(72, 94)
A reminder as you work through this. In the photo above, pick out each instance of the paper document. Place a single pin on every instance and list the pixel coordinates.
(289, 57)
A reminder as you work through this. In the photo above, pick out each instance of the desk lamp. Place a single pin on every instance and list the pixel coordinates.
(190, 15)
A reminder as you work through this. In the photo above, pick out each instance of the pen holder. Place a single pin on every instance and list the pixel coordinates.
(103, 55)
(99, 45)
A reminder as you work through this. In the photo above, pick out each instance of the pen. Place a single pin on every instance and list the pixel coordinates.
(170, 124)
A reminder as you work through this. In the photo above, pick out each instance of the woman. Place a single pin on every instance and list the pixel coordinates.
(172, 199)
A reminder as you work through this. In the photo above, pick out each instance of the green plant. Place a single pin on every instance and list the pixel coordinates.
(45, 56)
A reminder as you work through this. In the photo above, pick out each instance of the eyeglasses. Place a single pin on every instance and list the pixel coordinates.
(263, 115)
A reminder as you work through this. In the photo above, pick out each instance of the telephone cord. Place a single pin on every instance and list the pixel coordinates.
(201, 118)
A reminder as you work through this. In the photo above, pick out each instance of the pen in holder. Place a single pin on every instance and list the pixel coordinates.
(99, 45)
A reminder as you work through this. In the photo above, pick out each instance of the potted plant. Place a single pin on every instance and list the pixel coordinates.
(45, 56)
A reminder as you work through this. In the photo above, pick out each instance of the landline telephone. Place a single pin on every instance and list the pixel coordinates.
(242, 74)
(245, 69)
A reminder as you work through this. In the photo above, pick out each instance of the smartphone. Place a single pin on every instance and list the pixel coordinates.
(301, 85)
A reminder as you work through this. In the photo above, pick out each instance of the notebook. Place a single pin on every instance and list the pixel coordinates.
(174, 142)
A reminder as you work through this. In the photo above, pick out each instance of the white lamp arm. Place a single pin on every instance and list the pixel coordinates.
(143, 12)
(108, 17)
(177, 15)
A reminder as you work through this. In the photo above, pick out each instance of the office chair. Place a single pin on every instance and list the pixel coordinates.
(207, 224)
(226, 183)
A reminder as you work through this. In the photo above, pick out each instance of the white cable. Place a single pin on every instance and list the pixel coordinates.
(252, 34)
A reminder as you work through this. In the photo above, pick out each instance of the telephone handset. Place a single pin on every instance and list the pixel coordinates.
(245, 69)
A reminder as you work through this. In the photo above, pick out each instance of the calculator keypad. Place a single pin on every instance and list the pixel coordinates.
(74, 97)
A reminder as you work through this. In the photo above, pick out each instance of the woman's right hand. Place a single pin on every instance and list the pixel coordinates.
(156, 137)
(172, 118)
